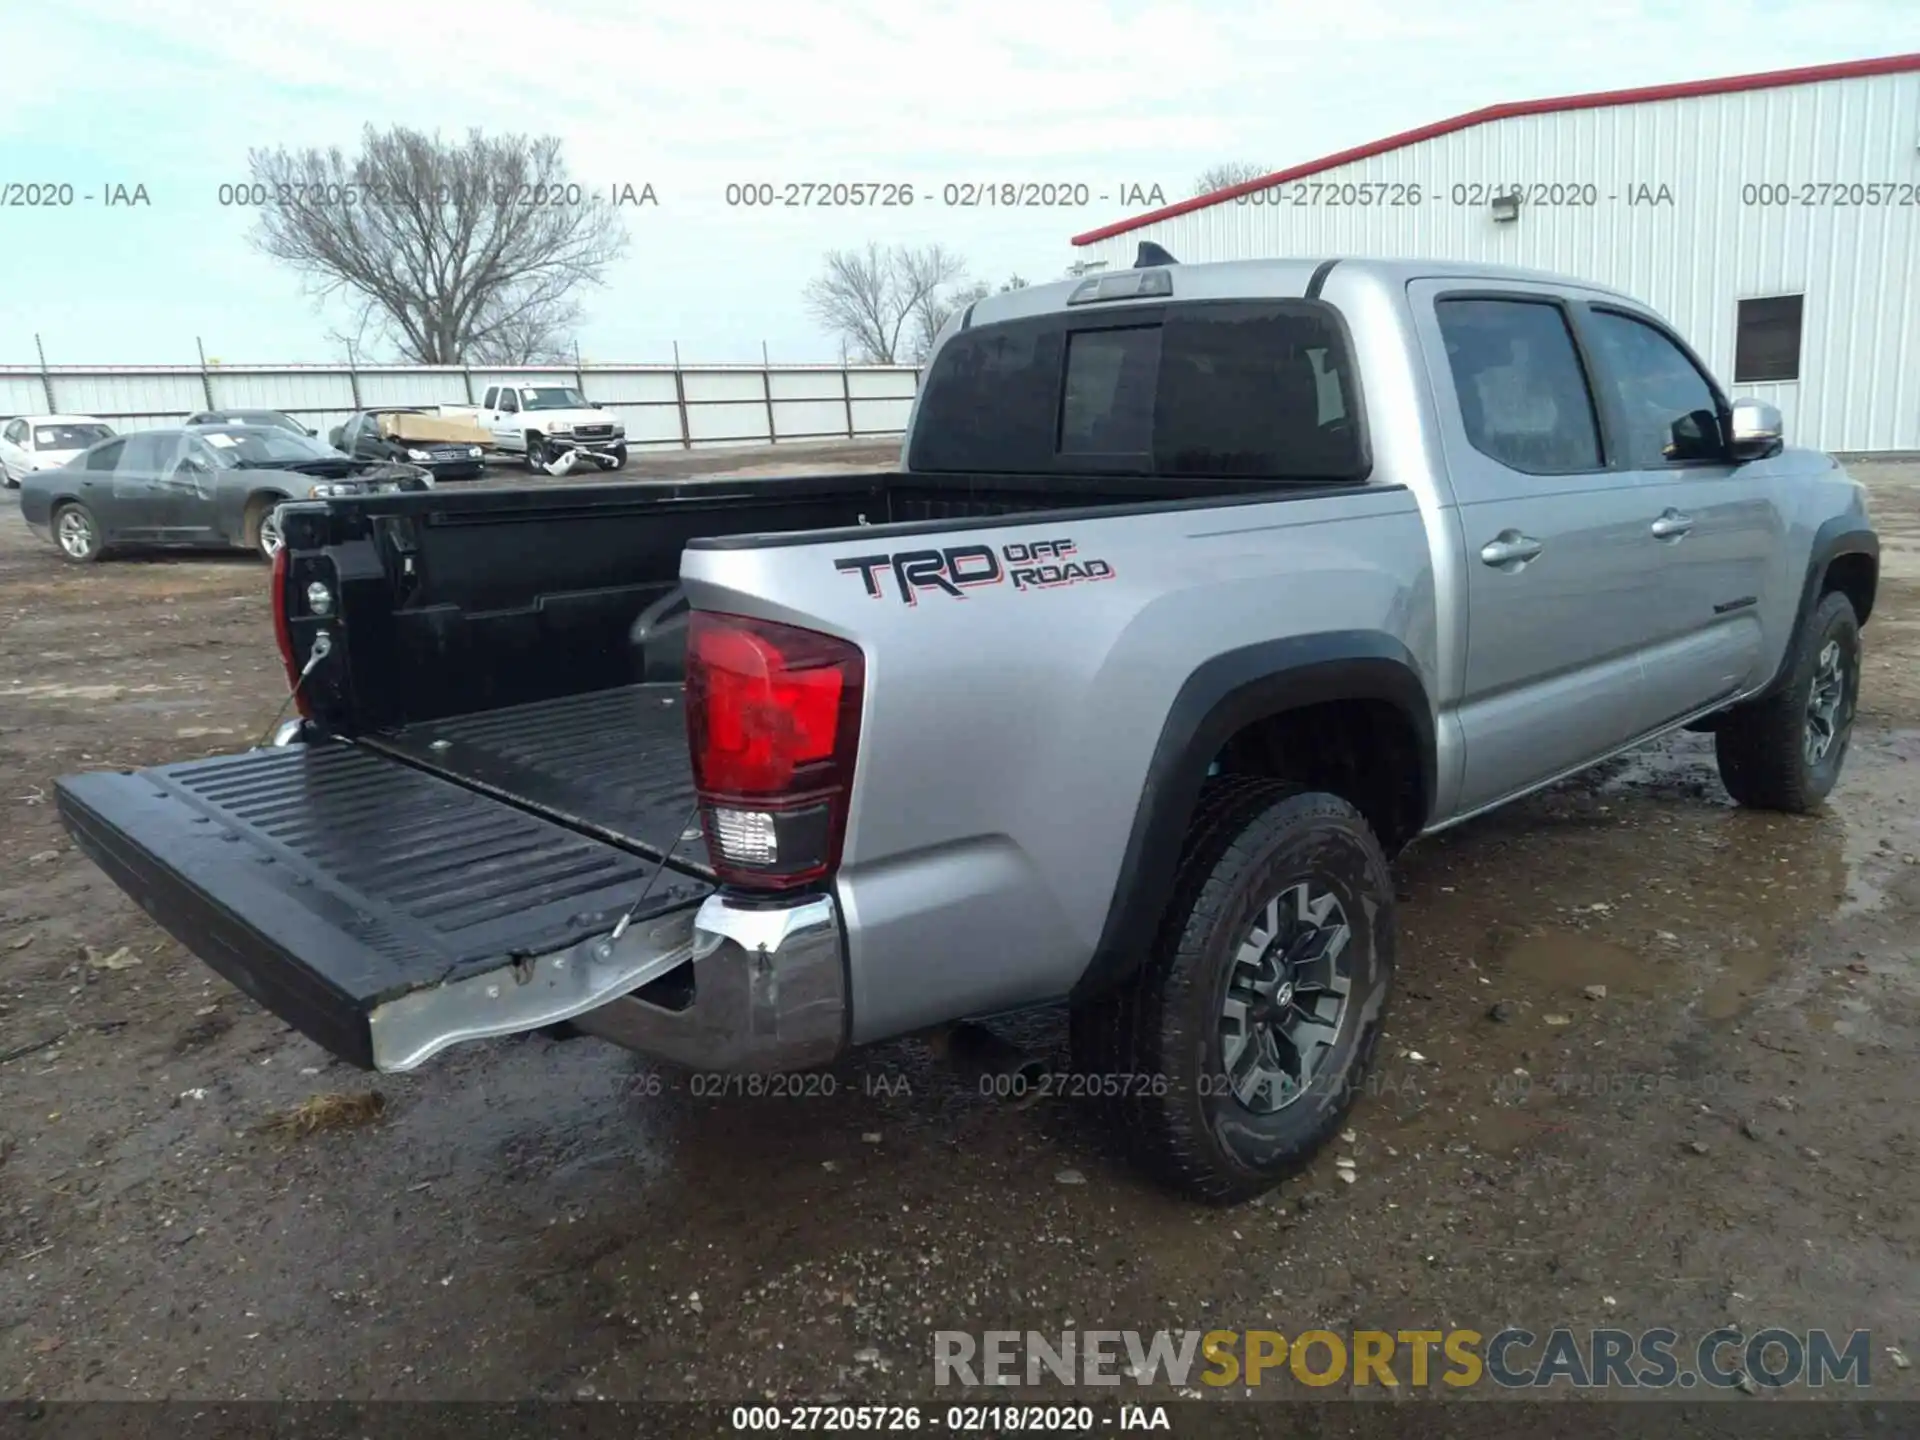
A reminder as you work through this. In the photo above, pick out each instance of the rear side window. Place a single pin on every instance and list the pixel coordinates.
(106, 457)
(1523, 393)
(991, 401)
(1242, 389)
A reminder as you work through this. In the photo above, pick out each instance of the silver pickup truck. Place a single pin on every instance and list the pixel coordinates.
(1200, 591)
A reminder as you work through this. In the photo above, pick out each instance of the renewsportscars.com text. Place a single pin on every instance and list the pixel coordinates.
(1511, 1358)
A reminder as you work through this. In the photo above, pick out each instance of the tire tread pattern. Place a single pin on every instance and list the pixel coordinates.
(1760, 750)
(1127, 1031)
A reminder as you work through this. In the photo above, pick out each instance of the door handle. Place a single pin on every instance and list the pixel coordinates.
(1671, 525)
(1510, 548)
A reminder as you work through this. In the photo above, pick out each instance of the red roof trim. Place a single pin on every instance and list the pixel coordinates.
(1730, 85)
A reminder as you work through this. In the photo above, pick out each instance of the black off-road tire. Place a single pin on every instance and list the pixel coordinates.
(1762, 749)
(1154, 1047)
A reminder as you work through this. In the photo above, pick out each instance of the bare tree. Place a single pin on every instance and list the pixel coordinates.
(450, 251)
(870, 297)
(932, 315)
(1228, 174)
(529, 331)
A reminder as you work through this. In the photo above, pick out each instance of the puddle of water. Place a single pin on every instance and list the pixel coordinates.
(1567, 962)
(1879, 767)
(1644, 879)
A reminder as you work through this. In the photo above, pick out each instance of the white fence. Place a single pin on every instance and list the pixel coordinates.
(662, 406)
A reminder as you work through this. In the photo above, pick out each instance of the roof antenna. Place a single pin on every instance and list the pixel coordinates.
(1151, 254)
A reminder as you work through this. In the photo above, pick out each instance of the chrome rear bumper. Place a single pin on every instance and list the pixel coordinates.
(764, 989)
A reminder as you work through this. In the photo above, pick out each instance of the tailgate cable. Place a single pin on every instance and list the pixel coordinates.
(633, 909)
(322, 647)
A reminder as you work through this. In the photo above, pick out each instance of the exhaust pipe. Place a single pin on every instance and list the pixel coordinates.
(996, 1065)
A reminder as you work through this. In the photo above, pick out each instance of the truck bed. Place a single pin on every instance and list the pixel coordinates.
(458, 603)
(612, 763)
(328, 880)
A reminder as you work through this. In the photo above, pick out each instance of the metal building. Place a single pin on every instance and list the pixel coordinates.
(1773, 219)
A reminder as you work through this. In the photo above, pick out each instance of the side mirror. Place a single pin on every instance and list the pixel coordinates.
(312, 433)
(1756, 431)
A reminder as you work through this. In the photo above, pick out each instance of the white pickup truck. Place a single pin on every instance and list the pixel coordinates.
(547, 423)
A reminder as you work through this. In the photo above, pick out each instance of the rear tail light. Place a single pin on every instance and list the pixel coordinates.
(282, 633)
(773, 719)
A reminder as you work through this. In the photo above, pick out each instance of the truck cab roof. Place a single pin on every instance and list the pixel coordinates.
(1273, 279)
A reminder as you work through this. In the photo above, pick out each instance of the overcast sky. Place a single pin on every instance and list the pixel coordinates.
(169, 94)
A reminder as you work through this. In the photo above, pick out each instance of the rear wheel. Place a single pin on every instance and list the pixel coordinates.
(1785, 752)
(76, 533)
(1238, 1049)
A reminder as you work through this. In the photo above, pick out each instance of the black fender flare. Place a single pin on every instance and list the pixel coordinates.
(1838, 536)
(1224, 695)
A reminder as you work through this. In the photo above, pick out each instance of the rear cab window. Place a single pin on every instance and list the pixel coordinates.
(1243, 389)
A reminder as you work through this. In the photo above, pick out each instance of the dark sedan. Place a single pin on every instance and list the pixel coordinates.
(218, 486)
(277, 419)
(360, 437)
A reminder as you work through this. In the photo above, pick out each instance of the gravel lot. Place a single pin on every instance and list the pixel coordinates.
(1729, 1135)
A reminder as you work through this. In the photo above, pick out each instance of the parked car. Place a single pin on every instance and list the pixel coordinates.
(44, 442)
(361, 436)
(542, 422)
(197, 485)
(1200, 592)
(277, 418)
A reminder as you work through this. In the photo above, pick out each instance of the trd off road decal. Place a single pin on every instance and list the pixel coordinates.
(1028, 565)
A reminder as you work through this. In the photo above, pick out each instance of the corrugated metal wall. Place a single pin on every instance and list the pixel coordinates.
(1740, 170)
(661, 405)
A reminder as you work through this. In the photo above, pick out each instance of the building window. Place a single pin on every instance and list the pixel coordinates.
(1767, 343)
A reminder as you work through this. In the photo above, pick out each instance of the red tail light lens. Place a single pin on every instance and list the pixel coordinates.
(282, 633)
(773, 719)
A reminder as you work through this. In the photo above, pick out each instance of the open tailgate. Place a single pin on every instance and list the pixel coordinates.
(384, 912)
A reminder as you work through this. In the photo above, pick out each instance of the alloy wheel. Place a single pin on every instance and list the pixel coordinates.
(75, 532)
(1286, 998)
(1827, 707)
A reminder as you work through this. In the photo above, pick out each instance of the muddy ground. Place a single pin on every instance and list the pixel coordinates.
(1731, 1134)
